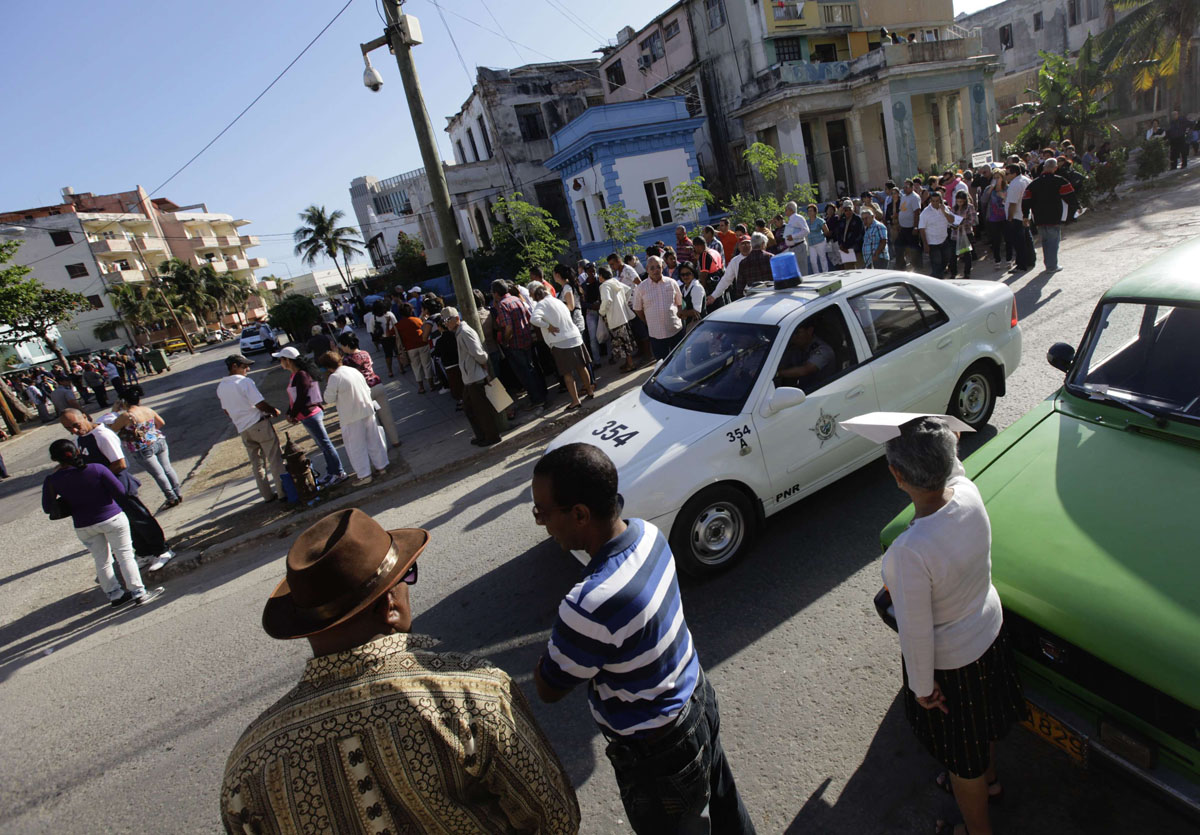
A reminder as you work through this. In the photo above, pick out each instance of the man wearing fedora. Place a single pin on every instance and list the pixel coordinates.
(382, 734)
(251, 415)
(621, 629)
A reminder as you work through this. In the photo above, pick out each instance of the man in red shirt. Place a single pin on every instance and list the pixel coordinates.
(728, 238)
(413, 335)
(515, 335)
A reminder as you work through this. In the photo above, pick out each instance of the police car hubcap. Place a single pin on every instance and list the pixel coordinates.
(973, 397)
(717, 533)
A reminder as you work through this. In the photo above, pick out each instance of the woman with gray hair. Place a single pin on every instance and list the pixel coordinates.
(961, 691)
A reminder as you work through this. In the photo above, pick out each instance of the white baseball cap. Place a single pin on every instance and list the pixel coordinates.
(288, 353)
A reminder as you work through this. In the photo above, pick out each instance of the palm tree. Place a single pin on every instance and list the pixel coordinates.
(1154, 41)
(320, 235)
(228, 291)
(187, 284)
(141, 308)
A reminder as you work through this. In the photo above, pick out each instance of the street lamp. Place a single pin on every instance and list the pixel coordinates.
(402, 33)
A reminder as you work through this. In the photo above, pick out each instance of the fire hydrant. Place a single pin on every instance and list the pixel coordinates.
(299, 472)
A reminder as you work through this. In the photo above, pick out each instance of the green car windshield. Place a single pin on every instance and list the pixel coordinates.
(1142, 355)
(714, 368)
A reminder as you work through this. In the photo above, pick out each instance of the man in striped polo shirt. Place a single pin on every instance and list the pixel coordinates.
(622, 629)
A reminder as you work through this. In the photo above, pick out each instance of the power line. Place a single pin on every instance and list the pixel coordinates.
(454, 43)
(235, 120)
(578, 22)
(501, 28)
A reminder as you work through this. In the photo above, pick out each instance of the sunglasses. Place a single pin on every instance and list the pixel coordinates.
(410, 576)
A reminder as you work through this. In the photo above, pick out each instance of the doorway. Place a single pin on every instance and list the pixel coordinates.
(839, 157)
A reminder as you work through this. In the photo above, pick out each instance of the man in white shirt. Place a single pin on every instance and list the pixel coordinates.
(795, 235)
(1016, 230)
(565, 341)
(934, 226)
(251, 416)
(731, 269)
(908, 244)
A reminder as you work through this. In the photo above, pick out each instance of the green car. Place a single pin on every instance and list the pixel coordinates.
(1095, 548)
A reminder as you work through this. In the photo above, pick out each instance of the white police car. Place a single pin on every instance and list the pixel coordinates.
(741, 420)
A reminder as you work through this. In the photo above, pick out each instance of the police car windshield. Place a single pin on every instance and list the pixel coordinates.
(714, 368)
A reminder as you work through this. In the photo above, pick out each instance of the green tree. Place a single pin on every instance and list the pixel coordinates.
(691, 196)
(621, 227)
(188, 293)
(295, 314)
(1152, 161)
(142, 308)
(1071, 99)
(28, 309)
(320, 236)
(1154, 40)
(409, 256)
(764, 159)
(528, 233)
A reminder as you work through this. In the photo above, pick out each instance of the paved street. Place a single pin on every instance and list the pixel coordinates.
(121, 723)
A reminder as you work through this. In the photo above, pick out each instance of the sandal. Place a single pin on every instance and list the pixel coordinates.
(573, 407)
(942, 781)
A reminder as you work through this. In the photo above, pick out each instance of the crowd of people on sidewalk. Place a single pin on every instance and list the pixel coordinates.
(50, 391)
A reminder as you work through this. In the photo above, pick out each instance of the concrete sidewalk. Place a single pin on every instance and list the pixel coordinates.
(227, 514)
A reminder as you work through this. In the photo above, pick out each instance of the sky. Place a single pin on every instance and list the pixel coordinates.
(122, 93)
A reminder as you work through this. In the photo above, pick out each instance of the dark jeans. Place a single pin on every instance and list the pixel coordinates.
(1018, 236)
(315, 425)
(995, 232)
(521, 363)
(1178, 148)
(940, 255)
(480, 413)
(101, 395)
(680, 782)
(661, 347)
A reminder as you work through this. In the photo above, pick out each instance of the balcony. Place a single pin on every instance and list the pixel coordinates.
(150, 243)
(228, 241)
(217, 264)
(199, 241)
(126, 276)
(248, 240)
(256, 263)
(102, 246)
(237, 264)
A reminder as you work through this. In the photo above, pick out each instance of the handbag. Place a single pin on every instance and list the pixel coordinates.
(887, 612)
(497, 395)
(61, 509)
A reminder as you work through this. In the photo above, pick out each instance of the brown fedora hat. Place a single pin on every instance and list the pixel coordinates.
(336, 569)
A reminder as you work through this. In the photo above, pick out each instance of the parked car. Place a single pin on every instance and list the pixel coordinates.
(1092, 498)
(252, 340)
(172, 346)
(716, 440)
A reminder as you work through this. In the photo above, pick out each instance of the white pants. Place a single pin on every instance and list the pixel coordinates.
(422, 363)
(363, 440)
(818, 259)
(104, 539)
(384, 413)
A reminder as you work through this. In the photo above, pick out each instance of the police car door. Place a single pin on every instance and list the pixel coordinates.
(803, 446)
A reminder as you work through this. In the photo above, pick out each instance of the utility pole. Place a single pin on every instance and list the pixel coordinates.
(158, 283)
(404, 32)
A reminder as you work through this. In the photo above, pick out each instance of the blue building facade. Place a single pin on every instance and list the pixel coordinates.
(633, 154)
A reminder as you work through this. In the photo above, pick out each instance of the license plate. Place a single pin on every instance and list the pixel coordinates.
(1056, 733)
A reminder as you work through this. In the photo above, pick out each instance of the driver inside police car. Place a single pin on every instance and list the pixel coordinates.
(807, 356)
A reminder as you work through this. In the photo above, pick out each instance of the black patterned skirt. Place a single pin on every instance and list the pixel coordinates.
(984, 699)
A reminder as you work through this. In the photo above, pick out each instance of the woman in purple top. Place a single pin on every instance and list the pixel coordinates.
(89, 492)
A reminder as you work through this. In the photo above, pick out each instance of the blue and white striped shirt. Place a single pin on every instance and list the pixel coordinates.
(622, 629)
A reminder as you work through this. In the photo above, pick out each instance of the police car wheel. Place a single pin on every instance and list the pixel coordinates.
(974, 396)
(712, 530)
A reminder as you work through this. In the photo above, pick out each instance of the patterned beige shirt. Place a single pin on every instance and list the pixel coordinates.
(660, 301)
(391, 738)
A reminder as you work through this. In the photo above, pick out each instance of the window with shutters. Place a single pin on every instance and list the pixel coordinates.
(1093, 9)
(77, 270)
(716, 13)
(653, 46)
(1072, 12)
(1037, 21)
(529, 119)
(671, 29)
(615, 75)
(487, 143)
(658, 196)
(96, 302)
(1006, 39)
(788, 49)
(61, 237)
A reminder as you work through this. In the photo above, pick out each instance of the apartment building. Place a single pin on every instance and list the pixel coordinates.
(500, 139)
(1017, 30)
(89, 242)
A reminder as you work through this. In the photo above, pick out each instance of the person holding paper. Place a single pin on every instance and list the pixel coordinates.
(935, 225)
(473, 365)
(961, 692)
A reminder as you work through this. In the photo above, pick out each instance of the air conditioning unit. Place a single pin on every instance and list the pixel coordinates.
(644, 61)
